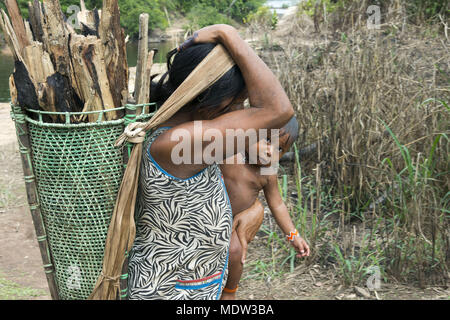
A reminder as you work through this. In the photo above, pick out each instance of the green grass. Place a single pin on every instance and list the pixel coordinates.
(10, 290)
(420, 219)
(10, 194)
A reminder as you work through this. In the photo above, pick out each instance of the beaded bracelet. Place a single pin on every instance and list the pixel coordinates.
(292, 235)
(230, 290)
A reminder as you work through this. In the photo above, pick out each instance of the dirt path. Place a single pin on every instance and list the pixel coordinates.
(7, 130)
(20, 259)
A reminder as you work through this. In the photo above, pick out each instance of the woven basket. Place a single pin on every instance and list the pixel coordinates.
(77, 172)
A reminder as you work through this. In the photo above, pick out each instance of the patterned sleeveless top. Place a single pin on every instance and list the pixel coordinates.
(183, 231)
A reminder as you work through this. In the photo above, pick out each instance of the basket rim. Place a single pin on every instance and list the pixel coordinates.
(100, 122)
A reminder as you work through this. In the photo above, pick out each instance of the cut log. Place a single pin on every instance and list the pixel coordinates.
(142, 58)
(59, 70)
(13, 90)
(26, 91)
(145, 90)
(113, 40)
(46, 98)
(40, 68)
(34, 23)
(36, 20)
(56, 95)
(45, 31)
(17, 23)
(90, 72)
(10, 36)
(82, 5)
(89, 22)
(58, 37)
(69, 28)
(65, 99)
(28, 31)
(39, 64)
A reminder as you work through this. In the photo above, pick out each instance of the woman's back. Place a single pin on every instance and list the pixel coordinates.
(183, 228)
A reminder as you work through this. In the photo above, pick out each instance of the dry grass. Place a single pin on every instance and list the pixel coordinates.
(377, 102)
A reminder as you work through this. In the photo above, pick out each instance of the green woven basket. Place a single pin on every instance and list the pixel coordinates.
(78, 173)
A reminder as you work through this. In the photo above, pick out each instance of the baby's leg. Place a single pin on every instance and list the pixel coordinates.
(249, 222)
(235, 268)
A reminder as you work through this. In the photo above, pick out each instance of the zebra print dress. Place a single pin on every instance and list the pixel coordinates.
(183, 231)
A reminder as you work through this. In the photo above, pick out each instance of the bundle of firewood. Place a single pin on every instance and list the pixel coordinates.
(60, 69)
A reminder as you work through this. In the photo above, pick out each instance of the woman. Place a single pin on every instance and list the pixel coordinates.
(183, 215)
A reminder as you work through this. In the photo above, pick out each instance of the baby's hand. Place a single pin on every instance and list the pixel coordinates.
(301, 247)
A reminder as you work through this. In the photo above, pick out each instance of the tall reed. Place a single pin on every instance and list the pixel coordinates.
(376, 193)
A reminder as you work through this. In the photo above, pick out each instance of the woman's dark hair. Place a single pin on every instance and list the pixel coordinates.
(184, 62)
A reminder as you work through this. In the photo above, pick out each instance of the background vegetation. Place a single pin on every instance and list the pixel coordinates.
(375, 104)
(199, 12)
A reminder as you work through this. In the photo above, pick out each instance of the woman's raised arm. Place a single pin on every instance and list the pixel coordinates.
(270, 106)
(264, 89)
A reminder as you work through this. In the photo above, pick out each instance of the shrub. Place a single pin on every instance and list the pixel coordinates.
(263, 17)
(203, 15)
(208, 11)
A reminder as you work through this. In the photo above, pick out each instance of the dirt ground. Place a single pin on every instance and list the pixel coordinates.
(21, 265)
(20, 259)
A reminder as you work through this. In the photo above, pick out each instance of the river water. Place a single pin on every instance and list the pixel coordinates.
(7, 62)
(280, 6)
(6, 68)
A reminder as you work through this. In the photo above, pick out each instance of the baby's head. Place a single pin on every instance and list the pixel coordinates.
(288, 135)
(286, 138)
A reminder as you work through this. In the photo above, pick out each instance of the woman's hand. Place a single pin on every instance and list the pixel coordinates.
(213, 33)
(246, 224)
(210, 34)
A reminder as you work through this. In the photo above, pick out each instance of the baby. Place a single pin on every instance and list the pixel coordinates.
(244, 181)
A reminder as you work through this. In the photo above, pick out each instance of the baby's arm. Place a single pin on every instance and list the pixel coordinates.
(281, 215)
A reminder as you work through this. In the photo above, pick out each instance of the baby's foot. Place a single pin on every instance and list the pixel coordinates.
(228, 296)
